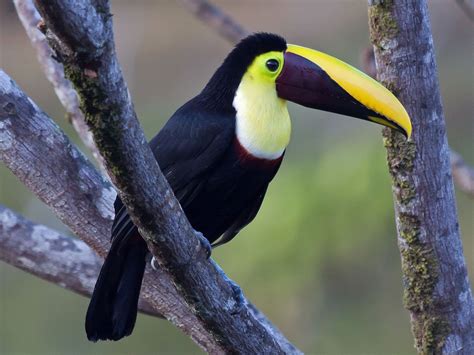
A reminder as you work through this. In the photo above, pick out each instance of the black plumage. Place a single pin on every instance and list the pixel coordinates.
(219, 185)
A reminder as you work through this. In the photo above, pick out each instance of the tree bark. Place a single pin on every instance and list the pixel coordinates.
(43, 252)
(54, 72)
(436, 286)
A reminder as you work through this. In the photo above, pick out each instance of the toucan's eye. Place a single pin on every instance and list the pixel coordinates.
(272, 65)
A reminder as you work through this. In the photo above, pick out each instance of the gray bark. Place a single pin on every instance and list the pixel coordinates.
(34, 148)
(44, 252)
(436, 285)
(41, 251)
(54, 72)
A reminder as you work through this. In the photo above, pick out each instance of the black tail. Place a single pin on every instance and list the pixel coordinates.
(113, 308)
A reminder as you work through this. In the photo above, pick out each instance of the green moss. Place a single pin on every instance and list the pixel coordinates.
(98, 110)
(419, 266)
(383, 25)
(400, 156)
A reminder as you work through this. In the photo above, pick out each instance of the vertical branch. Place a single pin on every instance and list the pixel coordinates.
(436, 286)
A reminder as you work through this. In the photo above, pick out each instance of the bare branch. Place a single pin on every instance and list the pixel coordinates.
(43, 252)
(437, 291)
(54, 72)
(131, 165)
(467, 6)
(216, 19)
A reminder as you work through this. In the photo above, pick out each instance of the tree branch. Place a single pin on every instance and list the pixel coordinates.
(463, 174)
(89, 57)
(216, 19)
(43, 252)
(54, 72)
(42, 157)
(467, 6)
(437, 292)
(39, 250)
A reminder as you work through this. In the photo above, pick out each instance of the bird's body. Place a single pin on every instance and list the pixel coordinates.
(220, 151)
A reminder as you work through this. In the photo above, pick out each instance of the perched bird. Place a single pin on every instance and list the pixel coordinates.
(221, 149)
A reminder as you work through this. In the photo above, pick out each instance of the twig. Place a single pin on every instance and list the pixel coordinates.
(436, 285)
(467, 6)
(54, 72)
(463, 174)
(214, 17)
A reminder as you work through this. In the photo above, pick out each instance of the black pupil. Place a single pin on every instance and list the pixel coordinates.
(272, 64)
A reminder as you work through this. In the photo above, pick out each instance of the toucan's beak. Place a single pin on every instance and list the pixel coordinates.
(317, 80)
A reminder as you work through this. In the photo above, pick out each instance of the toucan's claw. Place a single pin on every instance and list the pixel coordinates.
(238, 296)
(205, 245)
(154, 264)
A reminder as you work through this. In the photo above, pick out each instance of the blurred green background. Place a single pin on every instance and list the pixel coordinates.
(321, 258)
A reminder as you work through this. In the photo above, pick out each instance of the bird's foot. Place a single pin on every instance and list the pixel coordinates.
(205, 246)
(154, 264)
(238, 297)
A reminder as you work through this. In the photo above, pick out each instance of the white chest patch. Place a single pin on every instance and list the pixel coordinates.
(263, 125)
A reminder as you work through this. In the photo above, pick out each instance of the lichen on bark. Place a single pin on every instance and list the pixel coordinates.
(382, 22)
(419, 266)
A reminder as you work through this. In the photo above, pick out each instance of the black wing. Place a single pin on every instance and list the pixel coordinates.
(186, 148)
(246, 216)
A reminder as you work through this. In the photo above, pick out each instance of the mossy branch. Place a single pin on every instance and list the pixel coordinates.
(436, 287)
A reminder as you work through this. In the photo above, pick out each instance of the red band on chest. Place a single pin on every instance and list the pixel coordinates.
(246, 157)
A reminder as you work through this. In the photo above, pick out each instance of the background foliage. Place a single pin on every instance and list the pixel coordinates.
(321, 258)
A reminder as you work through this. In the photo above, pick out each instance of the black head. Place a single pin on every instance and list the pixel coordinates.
(220, 90)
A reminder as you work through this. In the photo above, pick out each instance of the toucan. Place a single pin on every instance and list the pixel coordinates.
(221, 149)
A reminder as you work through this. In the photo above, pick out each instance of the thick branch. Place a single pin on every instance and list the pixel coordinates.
(216, 19)
(146, 193)
(54, 72)
(42, 157)
(437, 291)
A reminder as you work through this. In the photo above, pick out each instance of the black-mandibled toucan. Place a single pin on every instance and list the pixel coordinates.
(221, 149)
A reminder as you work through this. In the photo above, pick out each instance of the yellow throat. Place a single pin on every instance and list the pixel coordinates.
(263, 125)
